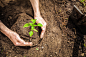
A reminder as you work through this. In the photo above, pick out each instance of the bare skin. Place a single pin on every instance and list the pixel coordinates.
(37, 15)
(14, 37)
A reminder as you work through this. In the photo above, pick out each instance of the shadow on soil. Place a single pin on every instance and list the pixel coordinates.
(79, 35)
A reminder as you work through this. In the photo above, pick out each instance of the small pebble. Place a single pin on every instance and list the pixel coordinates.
(6, 52)
(42, 47)
(80, 47)
(55, 52)
(82, 54)
(15, 56)
(50, 55)
(36, 44)
(1, 14)
(68, 41)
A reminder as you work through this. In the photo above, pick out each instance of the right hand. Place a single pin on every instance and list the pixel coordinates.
(42, 21)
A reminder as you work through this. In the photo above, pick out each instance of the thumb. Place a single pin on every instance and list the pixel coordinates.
(24, 44)
(28, 43)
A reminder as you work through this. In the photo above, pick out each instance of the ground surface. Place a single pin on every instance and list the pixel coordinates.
(62, 38)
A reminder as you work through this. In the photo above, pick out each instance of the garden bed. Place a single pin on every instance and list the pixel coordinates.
(62, 38)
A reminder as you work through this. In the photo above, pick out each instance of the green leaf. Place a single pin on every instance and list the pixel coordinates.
(84, 45)
(82, 0)
(1, 51)
(31, 24)
(35, 25)
(37, 49)
(84, 4)
(35, 30)
(32, 27)
(26, 25)
(33, 20)
(31, 33)
(39, 24)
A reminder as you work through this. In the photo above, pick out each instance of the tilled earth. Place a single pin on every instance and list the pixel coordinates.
(61, 39)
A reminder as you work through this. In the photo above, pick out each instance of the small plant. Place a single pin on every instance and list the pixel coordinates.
(60, 10)
(37, 49)
(24, 56)
(1, 51)
(84, 45)
(83, 2)
(32, 26)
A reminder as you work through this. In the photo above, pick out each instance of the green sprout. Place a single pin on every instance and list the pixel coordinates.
(83, 2)
(84, 45)
(24, 56)
(32, 26)
(37, 49)
(60, 10)
(1, 51)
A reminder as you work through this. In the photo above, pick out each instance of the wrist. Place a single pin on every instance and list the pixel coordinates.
(37, 14)
(4, 29)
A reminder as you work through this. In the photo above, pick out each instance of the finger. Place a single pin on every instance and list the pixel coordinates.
(42, 33)
(38, 22)
(24, 44)
(43, 30)
(44, 27)
(13, 40)
(20, 40)
(28, 43)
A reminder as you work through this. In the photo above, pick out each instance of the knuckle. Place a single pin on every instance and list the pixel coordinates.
(16, 44)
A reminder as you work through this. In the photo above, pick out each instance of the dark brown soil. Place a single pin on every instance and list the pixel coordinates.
(62, 38)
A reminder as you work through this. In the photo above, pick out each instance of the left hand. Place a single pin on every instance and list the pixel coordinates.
(17, 41)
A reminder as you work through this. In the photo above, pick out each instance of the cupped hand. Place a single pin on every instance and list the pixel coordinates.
(17, 41)
(42, 21)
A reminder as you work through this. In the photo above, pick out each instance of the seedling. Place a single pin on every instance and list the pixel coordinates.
(60, 10)
(1, 51)
(83, 2)
(31, 54)
(84, 45)
(37, 49)
(24, 56)
(32, 26)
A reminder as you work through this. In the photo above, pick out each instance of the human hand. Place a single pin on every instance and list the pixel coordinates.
(42, 21)
(17, 41)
